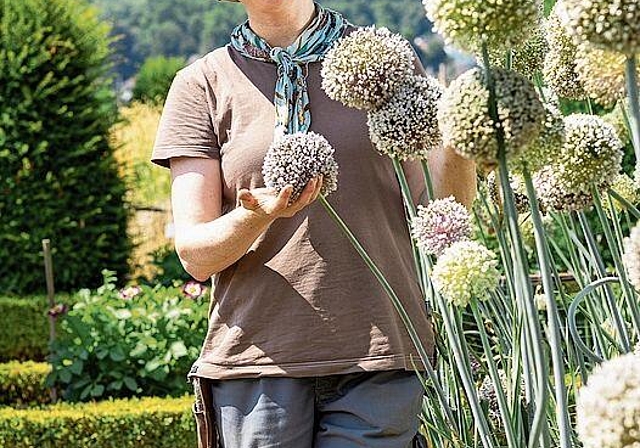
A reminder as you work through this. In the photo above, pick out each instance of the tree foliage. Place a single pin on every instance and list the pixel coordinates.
(58, 177)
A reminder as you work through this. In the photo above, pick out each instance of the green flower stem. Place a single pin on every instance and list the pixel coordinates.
(505, 412)
(602, 272)
(627, 205)
(427, 179)
(555, 342)
(634, 102)
(395, 300)
(614, 246)
(523, 285)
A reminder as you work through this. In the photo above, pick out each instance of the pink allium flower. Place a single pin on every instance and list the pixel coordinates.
(440, 224)
(129, 292)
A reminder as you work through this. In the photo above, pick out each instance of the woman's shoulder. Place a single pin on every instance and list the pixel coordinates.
(205, 69)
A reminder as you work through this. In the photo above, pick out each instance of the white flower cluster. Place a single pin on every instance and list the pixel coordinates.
(602, 74)
(560, 66)
(545, 148)
(631, 256)
(552, 195)
(625, 187)
(440, 224)
(608, 407)
(367, 67)
(617, 119)
(516, 182)
(609, 24)
(527, 58)
(406, 127)
(465, 271)
(467, 125)
(297, 158)
(500, 23)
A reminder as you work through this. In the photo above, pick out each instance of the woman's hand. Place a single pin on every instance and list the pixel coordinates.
(265, 202)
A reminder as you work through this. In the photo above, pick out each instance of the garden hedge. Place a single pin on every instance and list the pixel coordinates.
(58, 177)
(144, 423)
(24, 328)
(22, 384)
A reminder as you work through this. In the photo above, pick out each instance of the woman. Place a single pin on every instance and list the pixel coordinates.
(303, 348)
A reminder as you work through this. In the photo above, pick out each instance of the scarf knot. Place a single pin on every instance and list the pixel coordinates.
(291, 97)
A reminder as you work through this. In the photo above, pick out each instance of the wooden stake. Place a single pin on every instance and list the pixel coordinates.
(48, 272)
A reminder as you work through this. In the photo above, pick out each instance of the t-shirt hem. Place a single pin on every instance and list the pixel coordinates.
(204, 369)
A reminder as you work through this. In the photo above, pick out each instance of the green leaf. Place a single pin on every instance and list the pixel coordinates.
(131, 383)
(117, 354)
(77, 367)
(97, 390)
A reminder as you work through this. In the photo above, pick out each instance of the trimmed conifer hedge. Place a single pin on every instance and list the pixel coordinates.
(143, 423)
(58, 176)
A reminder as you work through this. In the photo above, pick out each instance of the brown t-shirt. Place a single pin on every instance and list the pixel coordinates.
(301, 302)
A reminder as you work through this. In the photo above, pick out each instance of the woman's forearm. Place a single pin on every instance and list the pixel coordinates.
(208, 248)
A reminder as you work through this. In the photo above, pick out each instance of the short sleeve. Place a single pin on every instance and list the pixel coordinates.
(186, 126)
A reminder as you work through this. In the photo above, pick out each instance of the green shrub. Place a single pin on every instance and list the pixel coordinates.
(58, 176)
(24, 327)
(23, 384)
(155, 77)
(138, 341)
(146, 423)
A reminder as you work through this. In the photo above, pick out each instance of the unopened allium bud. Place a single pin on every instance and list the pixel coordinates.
(406, 127)
(367, 67)
(500, 23)
(602, 73)
(608, 407)
(613, 25)
(465, 271)
(466, 122)
(297, 158)
(631, 256)
(559, 70)
(440, 224)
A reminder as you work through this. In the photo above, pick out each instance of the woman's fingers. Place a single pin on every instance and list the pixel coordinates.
(247, 200)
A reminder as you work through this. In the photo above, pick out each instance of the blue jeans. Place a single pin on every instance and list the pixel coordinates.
(372, 409)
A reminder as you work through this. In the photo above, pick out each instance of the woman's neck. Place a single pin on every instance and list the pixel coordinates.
(279, 22)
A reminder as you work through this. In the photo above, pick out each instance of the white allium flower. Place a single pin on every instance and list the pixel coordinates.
(440, 224)
(467, 125)
(552, 194)
(608, 407)
(602, 74)
(609, 24)
(551, 140)
(297, 158)
(592, 153)
(487, 392)
(501, 23)
(367, 67)
(625, 187)
(527, 58)
(616, 118)
(406, 126)
(559, 68)
(465, 271)
(631, 256)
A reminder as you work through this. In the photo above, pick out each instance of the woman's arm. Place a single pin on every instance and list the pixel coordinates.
(451, 175)
(208, 242)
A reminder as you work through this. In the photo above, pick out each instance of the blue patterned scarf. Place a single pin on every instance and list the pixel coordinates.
(291, 96)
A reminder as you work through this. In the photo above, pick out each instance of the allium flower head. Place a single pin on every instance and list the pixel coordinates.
(440, 224)
(608, 407)
(467, 125)
(129, 292)
(602, 74)
(297, 158)
(465, 23)
(631, 256)
(559, 68)
(592, 153)
(527, 58)
(465, 271)
(550, 141)
(613, 25)
(553, 195)
(625, 187)
(406, 126)
(487, 392)
(616, 118)
(367, 67)
(193, 290)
